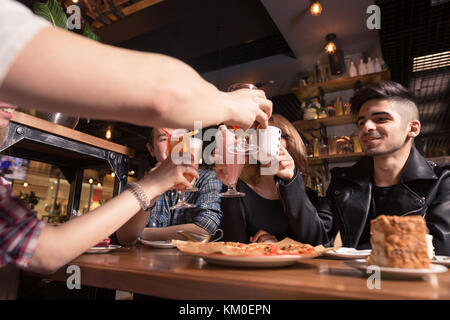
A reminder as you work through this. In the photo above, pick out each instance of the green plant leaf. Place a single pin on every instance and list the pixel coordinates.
(52, 11)
(87, 32)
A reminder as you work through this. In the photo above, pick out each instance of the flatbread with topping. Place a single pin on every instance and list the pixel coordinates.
(285, 247)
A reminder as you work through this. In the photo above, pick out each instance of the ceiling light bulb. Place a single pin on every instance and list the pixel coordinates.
(91, 181)
(330, 48)
(75, 1)
(25, 184)
(113, 174)
(108, 134)
(316, 8)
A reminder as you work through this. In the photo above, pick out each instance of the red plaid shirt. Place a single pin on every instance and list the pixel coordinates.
(19, 229)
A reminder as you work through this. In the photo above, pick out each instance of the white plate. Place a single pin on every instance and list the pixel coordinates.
(400, 273)
(103, 249)
(347, 253)
(250, 261)
(445, 260)
(158, 244)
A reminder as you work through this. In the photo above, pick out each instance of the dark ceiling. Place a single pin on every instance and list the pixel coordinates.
(208, 35)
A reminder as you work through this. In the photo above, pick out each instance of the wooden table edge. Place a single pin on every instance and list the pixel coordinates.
(270, 290)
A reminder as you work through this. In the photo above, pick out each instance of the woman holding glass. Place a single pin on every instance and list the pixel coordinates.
(170, 212)
(264, 213)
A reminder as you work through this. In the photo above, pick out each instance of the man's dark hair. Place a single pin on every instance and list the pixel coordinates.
(385, 90)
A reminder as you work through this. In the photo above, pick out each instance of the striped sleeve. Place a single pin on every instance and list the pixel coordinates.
(19, 230)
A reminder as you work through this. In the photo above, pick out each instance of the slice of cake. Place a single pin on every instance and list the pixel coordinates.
(399, 242)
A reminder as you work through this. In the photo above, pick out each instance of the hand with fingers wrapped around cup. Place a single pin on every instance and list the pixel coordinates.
(175, 175)
(169, 175)
(258, 108)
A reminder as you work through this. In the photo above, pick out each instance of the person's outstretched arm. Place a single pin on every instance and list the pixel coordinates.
(60, 71)
(59, 245)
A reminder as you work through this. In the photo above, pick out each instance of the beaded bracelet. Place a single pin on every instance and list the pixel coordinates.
(140, 194)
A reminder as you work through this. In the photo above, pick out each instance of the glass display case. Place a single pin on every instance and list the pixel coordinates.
(59, 171)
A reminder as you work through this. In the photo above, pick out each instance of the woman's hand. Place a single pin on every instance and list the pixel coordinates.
(286, 165)
(263, 236)
(167, 175)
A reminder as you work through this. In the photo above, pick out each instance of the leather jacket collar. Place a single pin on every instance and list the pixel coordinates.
(416, 168)
(407, 200)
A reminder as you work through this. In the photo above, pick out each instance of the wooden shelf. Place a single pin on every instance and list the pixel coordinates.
(312, 90)
(336, 158)
(329, 121)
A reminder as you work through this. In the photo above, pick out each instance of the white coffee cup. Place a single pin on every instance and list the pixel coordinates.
(268, 141)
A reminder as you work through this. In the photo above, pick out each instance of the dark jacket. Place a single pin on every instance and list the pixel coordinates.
(424, 189)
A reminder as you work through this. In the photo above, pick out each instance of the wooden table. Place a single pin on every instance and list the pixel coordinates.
(167, 273)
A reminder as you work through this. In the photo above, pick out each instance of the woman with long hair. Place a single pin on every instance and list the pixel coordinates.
(264, 213)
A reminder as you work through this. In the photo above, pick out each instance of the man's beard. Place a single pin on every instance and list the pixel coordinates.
(374, 152)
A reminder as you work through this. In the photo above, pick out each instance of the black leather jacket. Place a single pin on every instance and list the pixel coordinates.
(425, 191)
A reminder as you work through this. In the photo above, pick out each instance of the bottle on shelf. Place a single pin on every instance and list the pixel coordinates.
(316, 147)
(323, 149)
(352, 70)
(356, 144)
(339, 107)
(377, 65)
(369, 65)
(331, 111)
(361, 68)
(332, 145)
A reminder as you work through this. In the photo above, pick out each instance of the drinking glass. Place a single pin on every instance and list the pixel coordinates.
(196, 150)
(184, 149)
(242, 146)
(229, 164)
